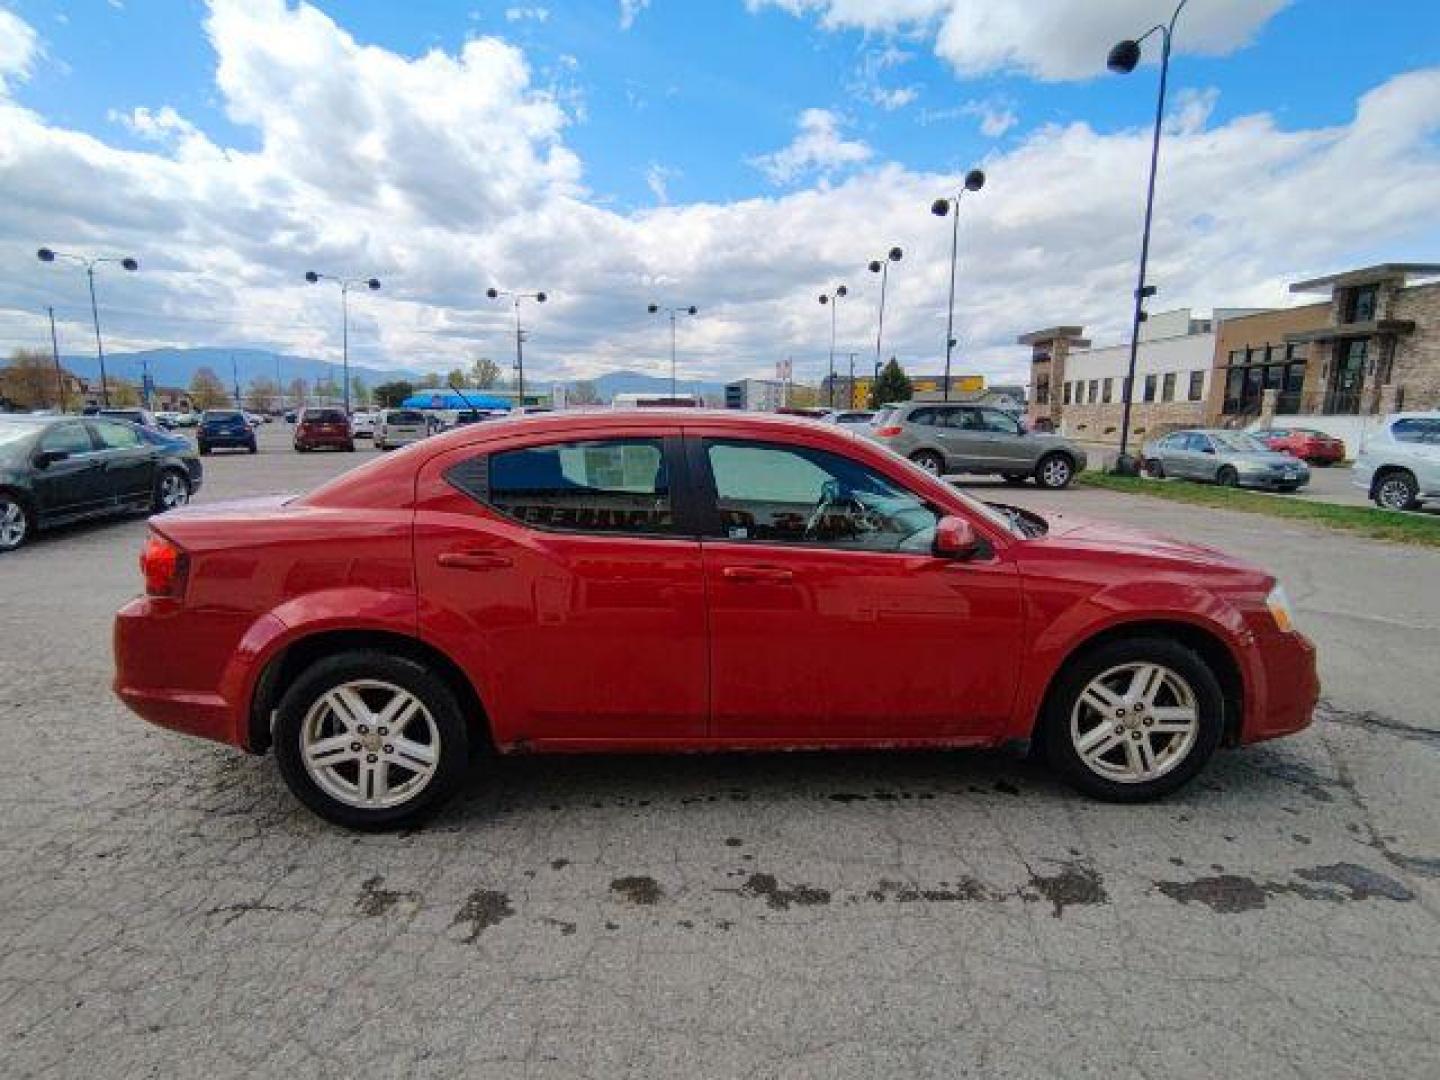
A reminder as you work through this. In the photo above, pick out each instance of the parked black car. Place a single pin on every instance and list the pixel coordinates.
(55, 469)
(221, 428)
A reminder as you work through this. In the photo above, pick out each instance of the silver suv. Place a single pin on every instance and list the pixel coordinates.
(947, 438)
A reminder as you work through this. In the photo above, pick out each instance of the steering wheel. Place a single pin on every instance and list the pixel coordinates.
(861, 518)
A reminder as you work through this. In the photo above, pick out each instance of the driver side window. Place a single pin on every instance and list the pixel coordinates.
(771, 493)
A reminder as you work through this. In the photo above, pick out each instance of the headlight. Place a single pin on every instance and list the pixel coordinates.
(1278, 604)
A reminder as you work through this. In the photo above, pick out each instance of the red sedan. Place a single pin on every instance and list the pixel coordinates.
(1307, 444)
(682, 581)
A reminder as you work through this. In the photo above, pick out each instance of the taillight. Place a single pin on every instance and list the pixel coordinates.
(163, 566)
(889, 431)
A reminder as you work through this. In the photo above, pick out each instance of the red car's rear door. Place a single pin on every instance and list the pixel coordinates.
(831, 619)
(552, 567)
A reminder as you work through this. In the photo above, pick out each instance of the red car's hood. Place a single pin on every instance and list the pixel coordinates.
(1074, 531)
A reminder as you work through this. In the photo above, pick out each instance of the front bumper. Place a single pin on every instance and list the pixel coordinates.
(1284, 688)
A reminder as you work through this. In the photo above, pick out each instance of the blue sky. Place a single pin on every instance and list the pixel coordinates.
(740, 154)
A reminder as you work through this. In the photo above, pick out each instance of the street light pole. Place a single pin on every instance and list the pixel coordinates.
(882, 267)
(1123, 58)
(690, 309)
(55, 352)
(833, 300)
(516, 297)
(90, 262)
(974, 181)
(346, 284)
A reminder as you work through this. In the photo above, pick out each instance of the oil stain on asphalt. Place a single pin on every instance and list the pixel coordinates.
(1231, 894)
(482, 909)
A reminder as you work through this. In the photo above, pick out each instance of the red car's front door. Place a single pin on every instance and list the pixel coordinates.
(830, 618)
(555, 573)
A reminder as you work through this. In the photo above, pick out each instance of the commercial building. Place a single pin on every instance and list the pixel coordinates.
(854, 393)
(757, 395)
(1371, 347)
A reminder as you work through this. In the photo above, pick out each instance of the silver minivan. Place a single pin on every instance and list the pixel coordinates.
(945, 437)
(399, 427)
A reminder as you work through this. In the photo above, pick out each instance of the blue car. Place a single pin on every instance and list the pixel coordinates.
(225, 428)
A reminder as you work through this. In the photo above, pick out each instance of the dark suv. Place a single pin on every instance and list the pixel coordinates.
(324, 427)
(945, 438)
(220, 428)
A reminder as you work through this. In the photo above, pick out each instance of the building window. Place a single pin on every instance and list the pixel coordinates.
(1094, 391)
(1257, 354)
(1167, 387)
(1150, 381)
(1068, 391)
(1042, 390)
(1237, 357)
(1197, 386)
(1106, 391)
(1361, 305)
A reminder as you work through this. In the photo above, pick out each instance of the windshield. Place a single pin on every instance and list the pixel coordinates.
(1238, 442)
(219, 416)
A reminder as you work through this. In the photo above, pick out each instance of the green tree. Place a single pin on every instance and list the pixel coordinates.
(486, 373)
(359, 392)
(429, 381)
(892, 385)
(260, 394)
(123, 394)
(457, 379)
(390, 394)
(206, 389)
(584, 392)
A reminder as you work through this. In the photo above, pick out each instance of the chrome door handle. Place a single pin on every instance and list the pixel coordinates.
(769, 574)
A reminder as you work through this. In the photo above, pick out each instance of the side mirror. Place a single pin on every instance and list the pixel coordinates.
(46, 458)
(955, 538)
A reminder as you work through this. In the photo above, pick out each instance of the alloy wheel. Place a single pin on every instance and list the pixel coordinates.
(1055, 472)
(1135, 722)
(1394, 493)
(13, 524)
(174, 491)
(370, 744)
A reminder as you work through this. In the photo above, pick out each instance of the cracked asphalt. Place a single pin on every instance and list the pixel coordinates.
(166, 909)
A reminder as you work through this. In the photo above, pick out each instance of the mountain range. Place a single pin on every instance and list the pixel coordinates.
(176, 367)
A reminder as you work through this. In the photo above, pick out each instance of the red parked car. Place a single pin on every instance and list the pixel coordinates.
(680, 581)
(1307, 444)
(315, 428)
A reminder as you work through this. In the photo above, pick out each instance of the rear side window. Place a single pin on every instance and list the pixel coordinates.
(594, 486)
(405, 416)
(116, 436)
(1416, 430)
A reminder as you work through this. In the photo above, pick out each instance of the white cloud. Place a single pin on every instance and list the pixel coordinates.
(447, 172)
(521, 14)
(996, 116)
(870, 83)
(818, 148)
(630, 11)
(1049, 39)
(657, 179)
(19, 48)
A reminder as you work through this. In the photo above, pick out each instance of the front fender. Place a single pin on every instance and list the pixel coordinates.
(1137, 602)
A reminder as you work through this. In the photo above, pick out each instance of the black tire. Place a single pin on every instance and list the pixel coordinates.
(299, 449)
(253, 448)
(1227, 477)
(930, 461)
(17, 522)
(1396, 490)
(204, 450)
(1156, 469)
(350, 448)
(1055, 471)
(1014, 477)
(1077, 676)
(168, 497)
(409, 675)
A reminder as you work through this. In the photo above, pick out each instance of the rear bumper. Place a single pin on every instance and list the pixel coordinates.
(1282, 699)
(324, 440)
(226, 439)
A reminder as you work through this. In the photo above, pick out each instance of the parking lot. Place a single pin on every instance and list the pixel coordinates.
(166, 906)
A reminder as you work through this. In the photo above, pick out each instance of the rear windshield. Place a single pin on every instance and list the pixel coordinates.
(324, 416)
(406, 416)
(221, 414)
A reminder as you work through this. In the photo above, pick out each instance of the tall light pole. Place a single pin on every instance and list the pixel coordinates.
(974, 181)
(1122, 60)
(90, 262)
(882, 267)
(346, 284)
(674, 312)
(55, 352)
(832, 298)
(516, 297)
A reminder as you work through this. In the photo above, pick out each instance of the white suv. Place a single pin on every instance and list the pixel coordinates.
(1399, 465)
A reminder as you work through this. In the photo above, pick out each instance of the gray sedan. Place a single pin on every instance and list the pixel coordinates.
(1231, 458)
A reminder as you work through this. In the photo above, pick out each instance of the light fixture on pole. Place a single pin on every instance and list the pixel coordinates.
(882, 267)
(673, 312)
(346, 284)
(90, 262)
(974, 181)
(515, 298)
(832, 298)
(1123, 58)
